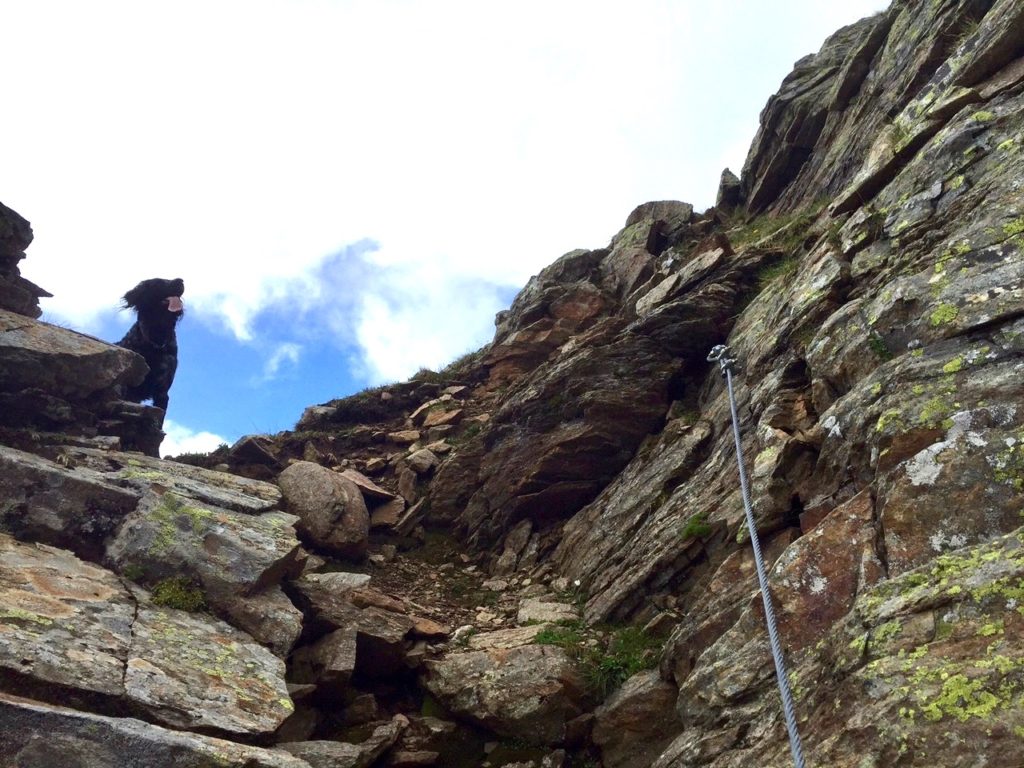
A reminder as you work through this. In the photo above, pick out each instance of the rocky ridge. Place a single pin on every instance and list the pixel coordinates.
(536, 556)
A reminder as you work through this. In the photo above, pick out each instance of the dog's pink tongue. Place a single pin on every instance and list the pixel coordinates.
(174, 304)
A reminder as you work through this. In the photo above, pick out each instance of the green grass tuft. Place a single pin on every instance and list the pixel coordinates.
(604, 665)
(179, 592)
(879, 347)
(696, 527)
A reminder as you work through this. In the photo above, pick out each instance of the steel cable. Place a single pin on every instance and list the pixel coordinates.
(720, 354)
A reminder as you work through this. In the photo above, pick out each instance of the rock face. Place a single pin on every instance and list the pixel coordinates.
(580, 471)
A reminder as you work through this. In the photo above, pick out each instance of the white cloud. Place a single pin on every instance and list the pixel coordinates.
(240, 144)
(408, 326)
(283, 354)
(180, 439)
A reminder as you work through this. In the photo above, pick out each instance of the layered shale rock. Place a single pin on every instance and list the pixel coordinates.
(551, 554)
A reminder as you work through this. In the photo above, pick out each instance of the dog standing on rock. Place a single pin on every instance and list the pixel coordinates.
(157, 304)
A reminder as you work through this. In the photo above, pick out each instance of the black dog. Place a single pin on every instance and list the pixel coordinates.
(158, 305)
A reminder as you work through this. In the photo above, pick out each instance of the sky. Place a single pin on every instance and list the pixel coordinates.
(351, 190)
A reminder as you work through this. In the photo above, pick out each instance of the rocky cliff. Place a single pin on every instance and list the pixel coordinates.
(536, 556)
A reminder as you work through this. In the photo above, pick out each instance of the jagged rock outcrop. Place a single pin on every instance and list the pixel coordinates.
(16, 293)
(867, 271)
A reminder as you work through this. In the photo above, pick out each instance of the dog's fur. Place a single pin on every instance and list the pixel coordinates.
(157, 304)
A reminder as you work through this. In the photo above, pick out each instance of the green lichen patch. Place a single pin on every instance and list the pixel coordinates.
(21, 615)
(173, 517)
(887, 631)
(954, 365)
(891, 421)
(936, 411)
(1014, 228)
(943, 315)
(961, 698)
(1008, 464)
(991, 572)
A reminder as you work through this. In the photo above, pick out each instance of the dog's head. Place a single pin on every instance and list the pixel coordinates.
(157, 299)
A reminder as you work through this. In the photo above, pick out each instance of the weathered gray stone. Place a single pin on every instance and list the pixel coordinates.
(730, 192)
(387, 514)
(16, 293)
(330, 662)
(72, 632)
(61, 362)
(404, 437)
(65, 623)
(528, 692)
(440, 417)
(407, 483)
(253, 449)
(636, 722)
(72, 508)
(338, 601)
(221, 489)
(314, 416)
(422, 461)
(37, 735)
(337, 754)
(514, 545)
(505, 638)
(369, 488)
(331, 508)
(534, 609)
(195, 672)
(231, 555)
(268, 615)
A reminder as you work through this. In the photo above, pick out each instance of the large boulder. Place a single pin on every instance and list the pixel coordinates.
(330, 508)
(528, 692)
